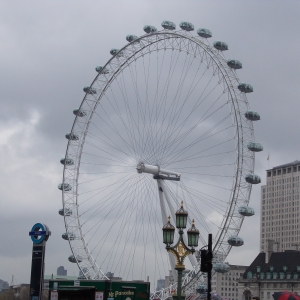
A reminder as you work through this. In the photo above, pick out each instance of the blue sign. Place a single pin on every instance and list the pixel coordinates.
(39, 233)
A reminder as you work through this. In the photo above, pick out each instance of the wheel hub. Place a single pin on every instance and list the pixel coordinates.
(158, 172)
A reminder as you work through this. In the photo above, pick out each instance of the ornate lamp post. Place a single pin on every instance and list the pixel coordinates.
(180, 250)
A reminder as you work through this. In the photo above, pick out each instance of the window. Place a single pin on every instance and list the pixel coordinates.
(258, 269)
(249, 275)
(289, 170)
(269, 174)
(284, 268)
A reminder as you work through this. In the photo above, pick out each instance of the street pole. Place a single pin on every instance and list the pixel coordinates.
(209, 272)
(39, 235)
(179, 284)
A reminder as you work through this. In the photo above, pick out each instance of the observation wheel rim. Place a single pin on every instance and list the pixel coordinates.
(214, 54)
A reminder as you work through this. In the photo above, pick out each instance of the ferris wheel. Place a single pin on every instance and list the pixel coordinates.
(165, 120)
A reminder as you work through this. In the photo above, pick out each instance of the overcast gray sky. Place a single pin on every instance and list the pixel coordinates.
(48, 52)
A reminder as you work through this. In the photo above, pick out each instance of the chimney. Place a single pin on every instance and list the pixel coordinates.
(272, 246)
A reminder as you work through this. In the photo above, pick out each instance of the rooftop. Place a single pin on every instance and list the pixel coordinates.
(288, 258)
(294, 163)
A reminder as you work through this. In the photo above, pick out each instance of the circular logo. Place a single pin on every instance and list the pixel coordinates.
(39, 233)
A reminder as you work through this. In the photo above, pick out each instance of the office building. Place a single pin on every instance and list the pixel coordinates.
(280, 207)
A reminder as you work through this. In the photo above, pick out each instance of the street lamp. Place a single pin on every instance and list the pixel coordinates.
(180, 250)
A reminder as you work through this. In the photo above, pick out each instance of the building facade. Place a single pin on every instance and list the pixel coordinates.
(281, 272)
(279, 220)
(226, 284)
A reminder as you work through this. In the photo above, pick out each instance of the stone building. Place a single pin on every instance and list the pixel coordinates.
(226, 284)
(271, 272)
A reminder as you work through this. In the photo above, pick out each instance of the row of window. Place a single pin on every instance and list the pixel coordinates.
(288, 186)
(286, 216)
(229, 283)
(229, 289)
(273, 203)
(277, 236)
(279, 199)
(280, 182)
(282, 246)
(228, 276)
(286, 227)
(282, 193)
(229, 294)
(279, 211)
(274, 275)
(283, 171)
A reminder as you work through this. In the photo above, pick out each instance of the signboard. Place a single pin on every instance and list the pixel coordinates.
(99, 295)
(76, 283)
(55, 285)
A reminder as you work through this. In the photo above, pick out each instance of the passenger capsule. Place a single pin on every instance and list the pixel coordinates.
(234, 64)
(252, 178)
(186, 26)
(235, 241)
(70, 236)
(116, 52)
(201, 289)
(64, 186)
(255, 147)
(79, 113)
(67, 161)
(221, 267)
(130, 38)
(149, 29)
(168, 25)
(246, 211)
(204, 33)
(101, 70)
(67, 212)
(89, 90)
(72, 258)
(72, 136)
(245, 88)
(222, 46)
(252, 115)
